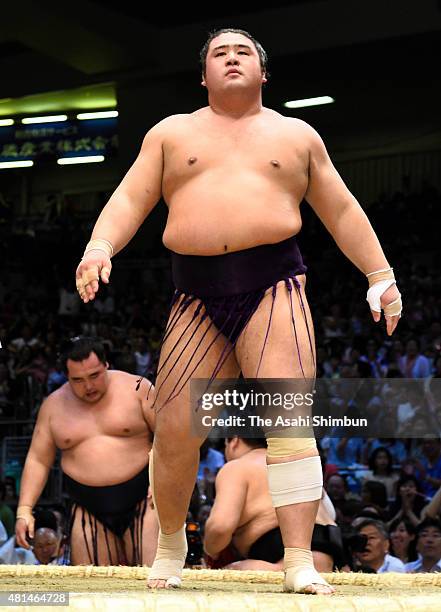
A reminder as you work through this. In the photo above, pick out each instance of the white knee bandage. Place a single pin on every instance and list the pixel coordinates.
(295, 481)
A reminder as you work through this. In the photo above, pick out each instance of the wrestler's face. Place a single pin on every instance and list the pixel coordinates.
(232, 63)
(88, 379)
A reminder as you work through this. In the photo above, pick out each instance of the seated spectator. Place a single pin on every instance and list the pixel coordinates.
(142, 356)
(409, 501)
(125, 360)
(6, 407)
(428, 548)
(209, 458)
(381, 470)
(3, 534)
(374, 496)
(11, 554)
(343, 451)
(346, 506)
(396, 448)
(26, 339)
(428, 469)
(7, 517)
(376, 362)
(413, 364)
(403, 540)
(376, 554)
(48, 548)
(56, 377)
(10, 490)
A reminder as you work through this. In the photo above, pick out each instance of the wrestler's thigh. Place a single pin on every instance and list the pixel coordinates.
(288, 351)
(81, 543)
(149, 531)
(193, 349)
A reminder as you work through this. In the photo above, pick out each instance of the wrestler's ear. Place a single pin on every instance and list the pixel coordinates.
(107, 365)
(264, 79)
(203, 83)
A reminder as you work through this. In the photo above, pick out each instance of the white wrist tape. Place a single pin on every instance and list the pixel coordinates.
(376, 291)
(99, 244)
(295, 481)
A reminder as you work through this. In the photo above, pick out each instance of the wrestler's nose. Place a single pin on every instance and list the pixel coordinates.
(232, 58)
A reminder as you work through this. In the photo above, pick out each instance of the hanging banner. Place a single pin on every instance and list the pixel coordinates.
(47, 141)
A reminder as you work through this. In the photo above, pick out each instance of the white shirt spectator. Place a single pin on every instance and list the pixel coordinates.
(10, 555)
(415, 567)
(391, 564)
(142, 362)
(420, 369)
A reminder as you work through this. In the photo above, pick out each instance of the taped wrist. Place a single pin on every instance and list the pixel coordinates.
(25, 512)
(379, 282)
(295, 481)
(99, 244)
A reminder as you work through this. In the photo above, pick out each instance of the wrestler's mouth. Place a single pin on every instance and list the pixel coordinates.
(233, 71)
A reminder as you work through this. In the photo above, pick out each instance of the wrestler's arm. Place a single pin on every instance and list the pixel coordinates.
(146, 396)
(134, 198)
(136, 195)
(39, 460)
(231, 490)
(343, 216)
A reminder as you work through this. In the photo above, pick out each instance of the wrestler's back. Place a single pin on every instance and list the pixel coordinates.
(258, 515)
(104, 443)
(232, 185)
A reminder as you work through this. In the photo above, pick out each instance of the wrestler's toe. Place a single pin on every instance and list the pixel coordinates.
(156, 584)
(174, 582)
(318, 589)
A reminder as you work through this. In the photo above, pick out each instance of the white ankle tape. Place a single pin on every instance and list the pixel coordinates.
(299, 570)
(170, 557)
(296, 481)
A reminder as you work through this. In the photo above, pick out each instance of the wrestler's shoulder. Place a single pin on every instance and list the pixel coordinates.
(54, 399)
(299, 126)
(126, 377)
(171, 123)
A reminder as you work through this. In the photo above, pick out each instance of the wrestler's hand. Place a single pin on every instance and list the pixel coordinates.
(389, 296)
(94, 265)
(24, 527)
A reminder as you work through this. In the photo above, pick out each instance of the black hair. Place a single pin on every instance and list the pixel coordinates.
(375, 453)
(252, 442)
(377, 493)
(79, 349)
(428, 522)
(215, 33)
(45, 518)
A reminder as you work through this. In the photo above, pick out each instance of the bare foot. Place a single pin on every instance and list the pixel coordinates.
(318, 589)
(158, 583)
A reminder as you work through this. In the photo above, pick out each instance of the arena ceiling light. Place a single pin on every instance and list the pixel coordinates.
(17, 164)
(97, 115)
(49, 119)
(4, 122)
(88, 159)
(309, 102)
